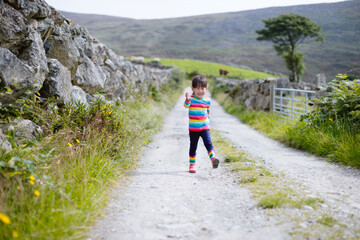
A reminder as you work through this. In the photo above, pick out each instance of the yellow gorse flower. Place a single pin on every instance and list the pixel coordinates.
(4, 218)
(70, 145)
(77, 140)
(36, 193)
(31, 182)
(15, 234)
(32, 178)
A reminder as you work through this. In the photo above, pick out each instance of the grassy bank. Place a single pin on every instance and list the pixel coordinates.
(325, 132)
(56, 188)
(212, 69)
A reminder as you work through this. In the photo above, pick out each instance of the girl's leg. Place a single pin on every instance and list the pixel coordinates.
(194, 138)
(206, 137)
(209, 147)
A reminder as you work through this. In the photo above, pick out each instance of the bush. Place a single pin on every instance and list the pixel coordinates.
(332, 129)
(341, 106)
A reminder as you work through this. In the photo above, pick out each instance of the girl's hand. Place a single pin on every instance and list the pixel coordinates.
(187, 96)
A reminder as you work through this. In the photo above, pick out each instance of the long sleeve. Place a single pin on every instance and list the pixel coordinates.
(187, 103)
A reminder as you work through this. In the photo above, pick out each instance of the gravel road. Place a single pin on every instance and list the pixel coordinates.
(162, 200)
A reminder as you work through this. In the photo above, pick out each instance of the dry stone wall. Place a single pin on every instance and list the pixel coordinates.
(256, 94)
(42, 50)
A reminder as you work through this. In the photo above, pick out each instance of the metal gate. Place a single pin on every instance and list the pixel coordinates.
(290, 103)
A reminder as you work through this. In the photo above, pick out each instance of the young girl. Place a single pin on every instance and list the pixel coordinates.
(199, 125)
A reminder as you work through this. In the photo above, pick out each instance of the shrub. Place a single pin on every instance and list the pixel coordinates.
(340, 106)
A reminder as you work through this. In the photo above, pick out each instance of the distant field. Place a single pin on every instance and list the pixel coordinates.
(211, 68)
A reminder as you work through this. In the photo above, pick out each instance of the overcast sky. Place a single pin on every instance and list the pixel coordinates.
(151, 9)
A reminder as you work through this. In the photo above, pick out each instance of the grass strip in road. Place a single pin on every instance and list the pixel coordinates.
(310, 216)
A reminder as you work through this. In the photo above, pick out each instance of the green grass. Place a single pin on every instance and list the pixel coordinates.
(273, 200)
(66, 186)
(327, 220)
(212, 69)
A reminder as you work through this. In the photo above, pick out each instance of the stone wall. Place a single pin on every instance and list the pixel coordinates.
(41, 50)
(256, 94)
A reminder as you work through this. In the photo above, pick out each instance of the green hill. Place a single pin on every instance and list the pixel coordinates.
(212, 69)
(230, 38)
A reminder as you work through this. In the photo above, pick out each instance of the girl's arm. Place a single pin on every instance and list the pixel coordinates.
(187, 100)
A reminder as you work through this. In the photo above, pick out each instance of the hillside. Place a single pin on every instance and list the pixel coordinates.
(230, 38)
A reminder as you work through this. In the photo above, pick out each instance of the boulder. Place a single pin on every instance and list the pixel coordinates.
(13, 30)
(250, 103)
(33, 54)
(259, 101)
(16, 75)
(17, 4)
(24, 129)
(46, 27)
(65, 51)
(78, 95)
(4, 143)
(89, 77)
(35, 9)
(57, 83)
(114, 85)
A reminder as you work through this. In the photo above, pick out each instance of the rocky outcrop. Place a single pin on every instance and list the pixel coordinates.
(43, 51)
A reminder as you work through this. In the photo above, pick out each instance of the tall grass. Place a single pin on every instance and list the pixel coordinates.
(65, 185)
(335, 141)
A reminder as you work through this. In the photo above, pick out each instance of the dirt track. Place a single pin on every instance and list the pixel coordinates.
(163, 201)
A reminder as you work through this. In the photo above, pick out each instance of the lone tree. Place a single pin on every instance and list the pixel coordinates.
(287, 32)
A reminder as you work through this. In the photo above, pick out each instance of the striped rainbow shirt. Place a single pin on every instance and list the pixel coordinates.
(199, 110)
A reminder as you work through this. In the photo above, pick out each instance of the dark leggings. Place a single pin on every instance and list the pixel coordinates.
(194, 138)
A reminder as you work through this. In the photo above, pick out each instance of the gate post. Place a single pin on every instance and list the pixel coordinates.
(272, 97)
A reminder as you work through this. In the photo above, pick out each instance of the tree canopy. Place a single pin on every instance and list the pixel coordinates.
(287, 32)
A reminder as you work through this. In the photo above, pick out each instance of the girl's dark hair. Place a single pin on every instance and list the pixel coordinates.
(199, 81)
